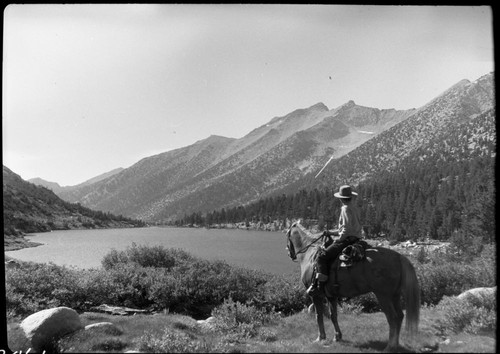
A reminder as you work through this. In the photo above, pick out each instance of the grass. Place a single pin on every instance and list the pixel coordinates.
(363, 333)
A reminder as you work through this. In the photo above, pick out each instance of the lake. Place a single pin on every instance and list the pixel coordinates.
(260, 250)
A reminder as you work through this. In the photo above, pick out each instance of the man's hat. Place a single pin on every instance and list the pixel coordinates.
(345, 192)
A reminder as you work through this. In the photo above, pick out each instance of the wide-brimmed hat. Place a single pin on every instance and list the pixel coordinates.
(345, 192)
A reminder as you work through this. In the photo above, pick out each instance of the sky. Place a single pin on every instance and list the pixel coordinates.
(88, 88)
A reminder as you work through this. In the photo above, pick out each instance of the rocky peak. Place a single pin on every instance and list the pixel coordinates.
(320, 106)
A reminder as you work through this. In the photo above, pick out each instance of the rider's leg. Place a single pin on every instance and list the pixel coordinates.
(323, 264)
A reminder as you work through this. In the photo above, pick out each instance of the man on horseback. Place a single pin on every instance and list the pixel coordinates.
(349, 231)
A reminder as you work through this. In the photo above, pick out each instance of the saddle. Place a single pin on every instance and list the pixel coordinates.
(355, 252)
(351, 254)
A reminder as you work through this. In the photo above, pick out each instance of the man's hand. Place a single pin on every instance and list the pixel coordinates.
(331, 233)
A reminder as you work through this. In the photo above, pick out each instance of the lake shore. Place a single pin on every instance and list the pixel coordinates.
(15, 243)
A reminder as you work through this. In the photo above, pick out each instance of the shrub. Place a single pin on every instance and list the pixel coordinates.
(422, 255)
(33, 287)
(366, 302)
(350, 308)
(174, 279)
(445, 275)
(466, 245)
(148, 256)
(235, 317)
(471, 314)
(283, 294)
(170, 342)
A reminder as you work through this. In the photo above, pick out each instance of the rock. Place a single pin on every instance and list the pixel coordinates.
(12, 264)
(107, 327)
(478, 292)
(43, 327)
(209, 322)
(211, 319)
(118, 310)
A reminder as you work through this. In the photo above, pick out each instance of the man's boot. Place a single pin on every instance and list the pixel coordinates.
(318, 285)
(311, 290)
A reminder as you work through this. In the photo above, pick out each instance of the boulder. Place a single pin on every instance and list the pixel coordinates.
(106, 327)
(478, 292)
(12, 264)
(208, 323)
(43, 327)
(118, 310)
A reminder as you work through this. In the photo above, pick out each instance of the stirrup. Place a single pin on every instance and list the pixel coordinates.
(316, 288)
(313, 289)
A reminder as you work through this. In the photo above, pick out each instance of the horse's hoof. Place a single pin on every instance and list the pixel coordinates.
(319, 339)
(337, 337)
(390, 349)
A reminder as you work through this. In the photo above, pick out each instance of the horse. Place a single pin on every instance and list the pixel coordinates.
(386, 273)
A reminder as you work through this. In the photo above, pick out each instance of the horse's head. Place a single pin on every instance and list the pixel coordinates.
(300, 241)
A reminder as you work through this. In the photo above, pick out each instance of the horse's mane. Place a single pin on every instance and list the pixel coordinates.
(303, 229)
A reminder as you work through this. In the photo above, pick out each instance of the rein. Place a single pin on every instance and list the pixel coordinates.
(304, 249)
(309, 245)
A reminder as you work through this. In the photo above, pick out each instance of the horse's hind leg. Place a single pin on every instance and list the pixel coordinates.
(387, 306)
(333, 316)
(396, 301)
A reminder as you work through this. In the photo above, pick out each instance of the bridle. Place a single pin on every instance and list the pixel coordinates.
(291, 249)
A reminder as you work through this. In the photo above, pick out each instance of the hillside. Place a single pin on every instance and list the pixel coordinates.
(56, 188)
(223, 172)
(29, 208)
(284, 155)
(431, 131)
(430, 176)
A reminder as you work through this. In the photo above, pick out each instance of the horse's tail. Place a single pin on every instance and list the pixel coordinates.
(411, 292)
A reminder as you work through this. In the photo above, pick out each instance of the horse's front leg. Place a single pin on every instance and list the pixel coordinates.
(333, 316)
(319, 307)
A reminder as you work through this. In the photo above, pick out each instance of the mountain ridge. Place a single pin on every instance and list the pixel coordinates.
(214, 160)
(462, 102)
(223, 172)
(31, 208)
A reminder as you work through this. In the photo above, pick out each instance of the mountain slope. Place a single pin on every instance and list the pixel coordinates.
(31, 208)
(283, 155)
(425, 132)
(218, 171)
(56, 188)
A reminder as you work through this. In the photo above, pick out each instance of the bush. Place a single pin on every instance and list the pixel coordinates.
(149, 277)
(365, 303)
(445, 275)
(157, 278)
(170, 342)
(148, 256)
(471, 314)
(283, 294)
(34, 287)
(240, 319)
